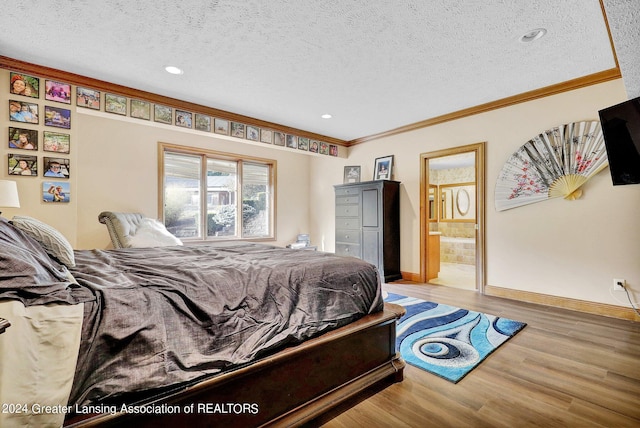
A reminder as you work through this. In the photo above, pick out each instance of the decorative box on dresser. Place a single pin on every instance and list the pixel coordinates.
(368, 224)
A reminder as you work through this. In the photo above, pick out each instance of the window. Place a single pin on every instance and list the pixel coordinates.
(202, 192)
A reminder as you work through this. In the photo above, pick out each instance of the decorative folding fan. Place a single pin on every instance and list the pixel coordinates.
(554, 163)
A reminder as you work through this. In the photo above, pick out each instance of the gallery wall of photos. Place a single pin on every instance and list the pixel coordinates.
(43, 151)
(36, 150)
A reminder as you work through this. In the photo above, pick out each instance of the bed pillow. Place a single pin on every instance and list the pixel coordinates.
(54, 243)
(152, 233)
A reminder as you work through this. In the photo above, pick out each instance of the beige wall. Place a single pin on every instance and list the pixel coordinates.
(556, 247)
(114, 167)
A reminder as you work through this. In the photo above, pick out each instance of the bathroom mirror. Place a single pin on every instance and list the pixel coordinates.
(457, 202)
(433, 206)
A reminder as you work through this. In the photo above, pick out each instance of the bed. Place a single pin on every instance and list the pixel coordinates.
(240, 334)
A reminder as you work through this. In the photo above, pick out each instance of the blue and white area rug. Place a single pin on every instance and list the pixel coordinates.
(445, 340)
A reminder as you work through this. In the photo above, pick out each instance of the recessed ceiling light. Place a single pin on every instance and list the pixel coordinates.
(173, 70)
(326, 116)
(532, 35)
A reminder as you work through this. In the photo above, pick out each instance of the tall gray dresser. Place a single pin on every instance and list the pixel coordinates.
(368, 224)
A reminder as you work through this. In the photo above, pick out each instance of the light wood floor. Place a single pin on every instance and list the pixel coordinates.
(565, 369)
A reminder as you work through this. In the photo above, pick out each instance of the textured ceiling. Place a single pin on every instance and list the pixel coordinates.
(375, 65)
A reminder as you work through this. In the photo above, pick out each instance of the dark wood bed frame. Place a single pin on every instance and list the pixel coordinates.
(290, 388)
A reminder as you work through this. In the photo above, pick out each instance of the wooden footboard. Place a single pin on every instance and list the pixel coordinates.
(290, 388)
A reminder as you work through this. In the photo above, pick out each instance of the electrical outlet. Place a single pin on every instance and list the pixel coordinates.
(619, 284)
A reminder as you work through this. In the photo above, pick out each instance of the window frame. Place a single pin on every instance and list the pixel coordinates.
(205, 154)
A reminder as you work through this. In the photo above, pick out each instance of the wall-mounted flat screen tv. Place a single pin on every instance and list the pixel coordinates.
(621, 131)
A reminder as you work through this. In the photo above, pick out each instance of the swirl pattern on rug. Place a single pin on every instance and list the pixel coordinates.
(445, 340)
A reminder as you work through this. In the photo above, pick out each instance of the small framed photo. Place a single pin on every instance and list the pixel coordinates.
(237, 129)
(183, 118)
(23, 165)
(56, 167)
(333, 150)
(115, 104)
(278, 138)
(56, 191)
(25, 139)
(324, 148)
(303, 143)
(266, 136)
(56, 142)
(87, 98)
(253, 133)
(162, 114)
(383, 168)
(203, 122)
(20, 111)
(221, 126)
(22, 84)
(141, 109)
(57, 91)
(292, 141)
(313, 146)
(351, 174)
(58, 117)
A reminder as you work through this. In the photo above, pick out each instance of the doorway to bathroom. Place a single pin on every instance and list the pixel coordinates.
(452, 217)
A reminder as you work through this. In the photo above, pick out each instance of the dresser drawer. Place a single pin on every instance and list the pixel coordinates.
(346, 191)
(347, 210)
(347, 223)
(345, 236)
(348, 199)
(348, 250)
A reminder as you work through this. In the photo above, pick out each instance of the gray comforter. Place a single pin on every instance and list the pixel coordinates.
(169, 315)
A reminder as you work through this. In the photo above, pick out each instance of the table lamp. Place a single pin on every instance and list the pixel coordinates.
(9, 195)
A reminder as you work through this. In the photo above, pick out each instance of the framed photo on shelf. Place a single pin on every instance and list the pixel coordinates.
(383, 168)
(324, 148)
(237, 129)
(115, 104)
(87, 98)
(278, 138)
(292, 141)
(253, 133)
(25, 139)
(351, 174)
(183, 119)
(221, 126)
(333, 150)
(141, 109)
(303, 143)
(25, 165)
(162, 114)
(313, 146)
(266, 136)
(57, 91)
(56, 142)
(23, 84)
(56, 191)
(56, 167)
(20, 111)
(203, 122)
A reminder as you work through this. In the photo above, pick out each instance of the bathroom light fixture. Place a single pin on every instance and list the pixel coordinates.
(326, 116)
(532, 35)
(173, 70)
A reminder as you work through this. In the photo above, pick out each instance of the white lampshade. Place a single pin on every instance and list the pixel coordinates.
(9, 194)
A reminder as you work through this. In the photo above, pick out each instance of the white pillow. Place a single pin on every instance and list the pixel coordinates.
(54, 242)
(152, 233)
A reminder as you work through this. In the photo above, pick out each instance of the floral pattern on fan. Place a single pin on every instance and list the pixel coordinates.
(555, 163)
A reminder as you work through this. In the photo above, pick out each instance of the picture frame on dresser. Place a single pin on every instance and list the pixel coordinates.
(351, 174)
(383, 168)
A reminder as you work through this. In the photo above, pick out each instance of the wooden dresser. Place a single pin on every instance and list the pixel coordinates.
(368, 224)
